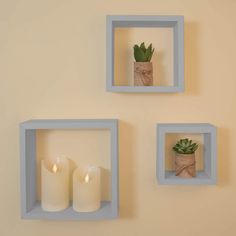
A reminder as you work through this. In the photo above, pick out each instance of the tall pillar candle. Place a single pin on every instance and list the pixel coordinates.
(86, 189)
(55, 184)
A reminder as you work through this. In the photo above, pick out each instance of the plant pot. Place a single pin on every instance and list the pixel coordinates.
(143, 74)
(185, 165)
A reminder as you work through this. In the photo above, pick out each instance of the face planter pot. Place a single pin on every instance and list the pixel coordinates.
(143, 74)
(185, 165)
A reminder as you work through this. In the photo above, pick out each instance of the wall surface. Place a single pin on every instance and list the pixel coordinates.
(52, 65)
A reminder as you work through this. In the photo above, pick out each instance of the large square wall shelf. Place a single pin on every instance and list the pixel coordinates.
(30, 207)
(149, 21)
(208, 175)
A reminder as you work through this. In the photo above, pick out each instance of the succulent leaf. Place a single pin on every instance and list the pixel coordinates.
(142, 46)
(143, 54)
(185, 146)
(139, 54)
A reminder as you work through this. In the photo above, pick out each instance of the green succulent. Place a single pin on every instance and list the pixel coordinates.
(143, 54)
(185, 146)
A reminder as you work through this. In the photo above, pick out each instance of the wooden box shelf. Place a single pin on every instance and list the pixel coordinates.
(30, 206)
(149, 21)
(208, 174)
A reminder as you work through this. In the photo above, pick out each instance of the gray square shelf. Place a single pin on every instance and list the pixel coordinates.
(125, 21)
(30, 207)
(209, 174)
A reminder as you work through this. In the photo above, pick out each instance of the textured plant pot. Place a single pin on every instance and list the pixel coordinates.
(185, 165)
(143, 74)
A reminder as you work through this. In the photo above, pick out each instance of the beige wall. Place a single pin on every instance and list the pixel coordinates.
(52, 65)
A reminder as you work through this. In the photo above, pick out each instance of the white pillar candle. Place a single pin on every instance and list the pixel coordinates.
(86, 189)
(55, 184)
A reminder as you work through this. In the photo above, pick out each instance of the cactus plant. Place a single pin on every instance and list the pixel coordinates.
(185, 146)
(143, 54)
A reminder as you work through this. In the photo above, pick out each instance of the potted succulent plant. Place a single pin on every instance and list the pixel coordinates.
(143, 72)
(185, 158)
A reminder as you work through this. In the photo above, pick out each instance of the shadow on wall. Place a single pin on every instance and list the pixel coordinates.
(191, 60)
(120, 72)
(72, 166)
(105, 184)
(126, 178)
(159, 69)
(223, 157)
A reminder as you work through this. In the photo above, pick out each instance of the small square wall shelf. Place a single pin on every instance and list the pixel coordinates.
(208, 175)
(30, 207)
(148, 21)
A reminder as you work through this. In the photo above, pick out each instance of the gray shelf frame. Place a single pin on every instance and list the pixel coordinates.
(124, 21)
(209, 132)
(30, 207)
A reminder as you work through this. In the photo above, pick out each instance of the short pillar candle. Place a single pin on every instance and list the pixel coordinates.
(55, 184)
(86, 189)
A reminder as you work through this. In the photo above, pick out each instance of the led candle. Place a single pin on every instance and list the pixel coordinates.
(86, 189)
(55, 184)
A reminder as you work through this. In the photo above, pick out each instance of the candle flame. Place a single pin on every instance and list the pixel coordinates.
(86, 178)
(54, 168)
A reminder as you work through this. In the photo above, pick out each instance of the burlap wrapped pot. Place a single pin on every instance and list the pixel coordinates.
(143, 74)
(185, 165)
